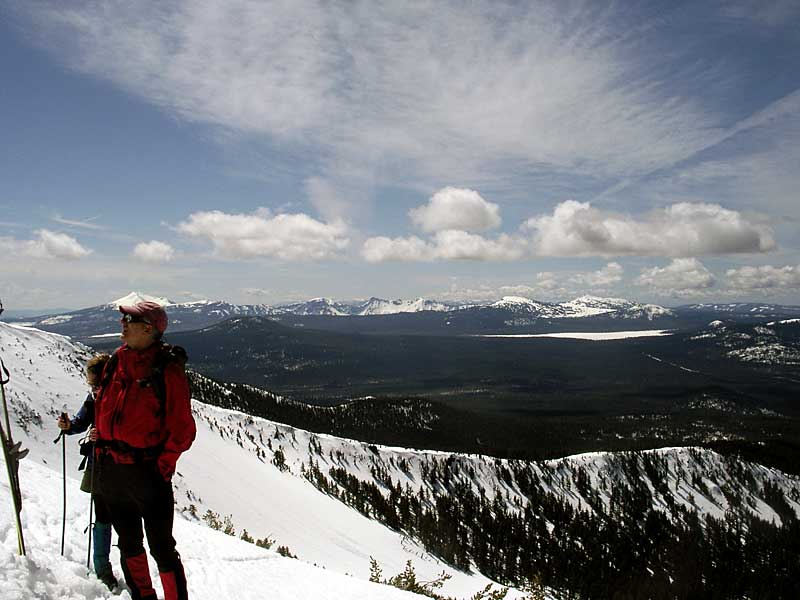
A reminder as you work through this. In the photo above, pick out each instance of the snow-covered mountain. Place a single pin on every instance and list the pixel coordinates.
(103, 320)
(373, 306)
(315, 306)
(742, 309)
(774, 343)
(521, 305)
(589, 306)
(378, 306)
(291, 486)
(585, 306)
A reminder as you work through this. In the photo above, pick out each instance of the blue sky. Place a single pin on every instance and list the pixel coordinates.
(266, 152)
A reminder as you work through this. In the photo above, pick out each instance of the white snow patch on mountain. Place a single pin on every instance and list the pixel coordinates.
(135, 297)
(378, 306)
(597, 336)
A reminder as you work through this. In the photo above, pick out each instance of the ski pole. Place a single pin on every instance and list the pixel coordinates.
(13, 453)
(91, 509)
(63, 439)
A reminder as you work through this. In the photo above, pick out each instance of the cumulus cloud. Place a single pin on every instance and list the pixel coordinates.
(46, 245)
(682, 277)
(154, 252)
(765, 277)
(458, 209)
(450, 244)
(290, 237)
(461, 245)
(408, 249)
(609, 275)
(680, 230)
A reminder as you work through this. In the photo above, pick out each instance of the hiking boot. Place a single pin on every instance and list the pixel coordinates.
(107, 577)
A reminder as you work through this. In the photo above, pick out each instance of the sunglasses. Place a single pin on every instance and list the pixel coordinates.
(132, 319)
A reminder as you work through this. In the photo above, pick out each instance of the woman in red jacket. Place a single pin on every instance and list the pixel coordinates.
(144, 422)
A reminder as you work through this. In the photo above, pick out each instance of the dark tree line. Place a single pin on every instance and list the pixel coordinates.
(627, 550)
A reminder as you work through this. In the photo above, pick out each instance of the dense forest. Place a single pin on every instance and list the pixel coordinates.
(628, 550)
(632, 533)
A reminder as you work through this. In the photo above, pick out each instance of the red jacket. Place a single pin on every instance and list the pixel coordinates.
(127, 411)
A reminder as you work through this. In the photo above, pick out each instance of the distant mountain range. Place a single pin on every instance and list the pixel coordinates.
(511, 314)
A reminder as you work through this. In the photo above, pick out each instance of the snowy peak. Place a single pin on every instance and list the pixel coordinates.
(589, 306)
(378, 306)
(315, 306)
(135, 297)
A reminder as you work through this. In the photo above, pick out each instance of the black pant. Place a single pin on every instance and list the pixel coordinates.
(134, 494)
(102, 514)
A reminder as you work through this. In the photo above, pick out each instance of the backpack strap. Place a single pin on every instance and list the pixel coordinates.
(166, 355)
(108, 371)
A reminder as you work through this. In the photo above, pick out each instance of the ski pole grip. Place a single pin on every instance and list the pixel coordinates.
(61, 432)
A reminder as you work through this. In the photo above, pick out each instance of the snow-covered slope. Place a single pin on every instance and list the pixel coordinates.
(224, 472)
(217, 565)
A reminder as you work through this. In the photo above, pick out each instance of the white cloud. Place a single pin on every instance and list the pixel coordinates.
(456, 208)
(47, 245)
(683, 277)
(291, 237)
(154, 252)
(257, 293)
(461, 245)
(325, 197)
(85, 224)
(765, 277)
(384, 249)
(680, 230)
(609, 275)
(445, 245)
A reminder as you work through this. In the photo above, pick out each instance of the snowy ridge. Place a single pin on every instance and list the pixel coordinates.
(776, 343)
(377, 306)
(694, 476)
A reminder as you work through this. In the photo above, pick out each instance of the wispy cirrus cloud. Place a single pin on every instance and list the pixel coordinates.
(404, 92)
(81, 224)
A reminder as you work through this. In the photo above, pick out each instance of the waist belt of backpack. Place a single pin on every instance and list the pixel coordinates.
(138, 454)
